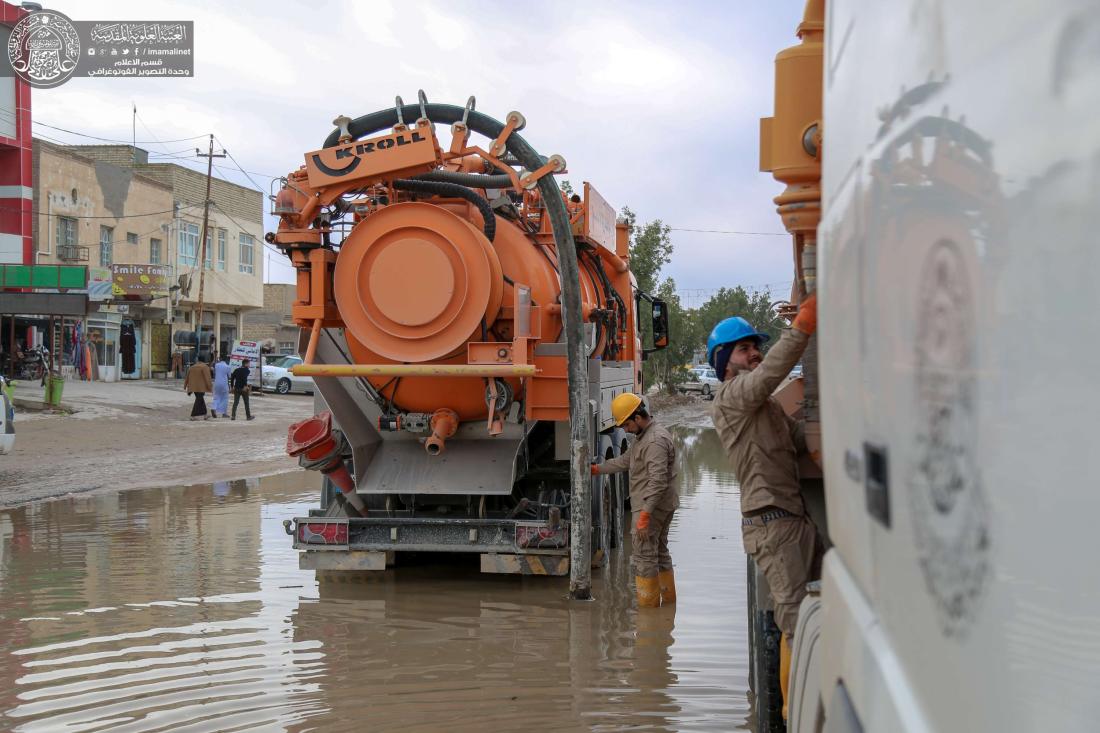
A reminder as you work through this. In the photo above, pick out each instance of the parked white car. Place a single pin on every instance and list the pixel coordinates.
(7, 420)
(701, 379)
(277, 377)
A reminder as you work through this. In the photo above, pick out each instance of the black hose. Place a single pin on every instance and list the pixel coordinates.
(473, 180)
(457, 191)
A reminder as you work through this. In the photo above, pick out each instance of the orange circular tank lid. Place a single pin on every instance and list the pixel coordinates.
(413, 282)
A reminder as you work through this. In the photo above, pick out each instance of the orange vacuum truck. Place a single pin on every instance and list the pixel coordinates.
(430, 298)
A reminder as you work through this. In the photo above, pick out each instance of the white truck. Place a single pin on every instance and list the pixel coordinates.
(955, 263)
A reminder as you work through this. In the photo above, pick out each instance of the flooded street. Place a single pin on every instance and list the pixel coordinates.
(184, 609)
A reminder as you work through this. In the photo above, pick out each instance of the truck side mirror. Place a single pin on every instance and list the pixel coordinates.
(660, 324)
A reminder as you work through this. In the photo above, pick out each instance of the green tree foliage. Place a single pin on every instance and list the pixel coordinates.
(650, 250)
(754, 307)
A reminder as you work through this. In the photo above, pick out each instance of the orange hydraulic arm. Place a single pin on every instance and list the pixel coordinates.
(790, 148)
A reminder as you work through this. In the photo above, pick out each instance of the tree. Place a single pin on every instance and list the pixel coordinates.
(754, 307)
(667, 367)
(650, 251)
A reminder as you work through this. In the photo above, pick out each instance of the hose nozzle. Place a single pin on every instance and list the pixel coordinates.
(444, 425)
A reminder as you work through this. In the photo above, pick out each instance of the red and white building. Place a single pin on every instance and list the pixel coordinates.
(15, 155)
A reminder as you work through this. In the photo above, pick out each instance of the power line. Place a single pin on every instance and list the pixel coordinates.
(121, 142)
(76, 216)
(729, 231)
(242, 170)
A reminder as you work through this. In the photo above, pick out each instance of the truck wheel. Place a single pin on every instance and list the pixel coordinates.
(283, 386)
(764, 641)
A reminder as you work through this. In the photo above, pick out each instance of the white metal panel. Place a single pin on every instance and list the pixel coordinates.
(11, 249)
(959, 236)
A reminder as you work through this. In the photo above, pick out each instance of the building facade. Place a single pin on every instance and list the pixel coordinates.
(15, 155)
(104, 216)
(272, 326)
(108, 207)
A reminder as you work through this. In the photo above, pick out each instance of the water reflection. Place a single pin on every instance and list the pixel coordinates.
(184, 609)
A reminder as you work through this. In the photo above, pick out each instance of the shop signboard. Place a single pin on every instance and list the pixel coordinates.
(140, 281)
(247, 350)
(99, 283)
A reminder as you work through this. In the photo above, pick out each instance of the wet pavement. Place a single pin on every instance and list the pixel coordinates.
(184, 609)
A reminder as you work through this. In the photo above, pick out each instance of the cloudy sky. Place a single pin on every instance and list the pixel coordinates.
(656, 104)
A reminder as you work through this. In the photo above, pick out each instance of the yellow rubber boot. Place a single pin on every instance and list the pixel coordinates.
(667, 580)
(785, 672)
(648, 590)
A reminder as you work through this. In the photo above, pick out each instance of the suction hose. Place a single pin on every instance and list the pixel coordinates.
(580, 578)
(474, 180)
(457, 191)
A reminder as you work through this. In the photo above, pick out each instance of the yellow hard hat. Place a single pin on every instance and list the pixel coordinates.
(624, 406)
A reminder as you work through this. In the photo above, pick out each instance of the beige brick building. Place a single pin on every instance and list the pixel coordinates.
(272, 324)
(90, 195)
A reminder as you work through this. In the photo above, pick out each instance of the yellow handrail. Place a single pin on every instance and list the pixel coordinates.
(414, 370)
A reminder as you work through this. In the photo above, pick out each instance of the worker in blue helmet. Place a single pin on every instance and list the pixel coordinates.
(763, 445)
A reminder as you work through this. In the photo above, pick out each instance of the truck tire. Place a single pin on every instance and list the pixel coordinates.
(764, 641)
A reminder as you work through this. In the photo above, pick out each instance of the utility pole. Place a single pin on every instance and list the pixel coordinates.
(202, 251)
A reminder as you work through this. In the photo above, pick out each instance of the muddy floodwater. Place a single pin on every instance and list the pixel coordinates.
(184, 609)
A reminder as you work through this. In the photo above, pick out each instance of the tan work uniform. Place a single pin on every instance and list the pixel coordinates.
(763, 445)
(654, 487)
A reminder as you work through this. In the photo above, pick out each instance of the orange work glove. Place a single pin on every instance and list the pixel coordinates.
(643, 521)
(806, 320)
(595, 469)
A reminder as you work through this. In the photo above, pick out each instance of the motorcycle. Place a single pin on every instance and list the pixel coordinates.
(33, 364)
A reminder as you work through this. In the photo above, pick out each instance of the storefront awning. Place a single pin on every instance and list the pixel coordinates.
(44, 304)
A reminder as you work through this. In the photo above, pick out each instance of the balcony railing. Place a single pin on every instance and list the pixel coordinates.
(72, 253)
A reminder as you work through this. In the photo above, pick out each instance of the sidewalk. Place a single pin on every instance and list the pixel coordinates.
(135, 434)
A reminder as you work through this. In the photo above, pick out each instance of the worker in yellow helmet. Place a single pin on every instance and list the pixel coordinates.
(654, 497)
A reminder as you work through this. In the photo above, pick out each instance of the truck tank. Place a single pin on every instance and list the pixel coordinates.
(430, 296)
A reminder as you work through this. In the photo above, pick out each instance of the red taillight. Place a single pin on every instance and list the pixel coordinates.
(323, 533)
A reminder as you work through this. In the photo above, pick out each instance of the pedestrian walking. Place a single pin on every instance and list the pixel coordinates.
(221, 388)
(763, 444)
(198, 382)
(241, 390)
(654, 497)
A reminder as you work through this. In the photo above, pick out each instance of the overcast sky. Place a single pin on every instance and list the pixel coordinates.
(656, 104)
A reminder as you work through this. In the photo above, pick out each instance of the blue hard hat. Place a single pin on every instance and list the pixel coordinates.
(728, 331)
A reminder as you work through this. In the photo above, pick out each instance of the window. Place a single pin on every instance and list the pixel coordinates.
(208, 259)
(221, 250)
(189, 244)
(131, 238)
(154, 251)
(66, 232)
(286, 347)
(105, 245)
(246, 254)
